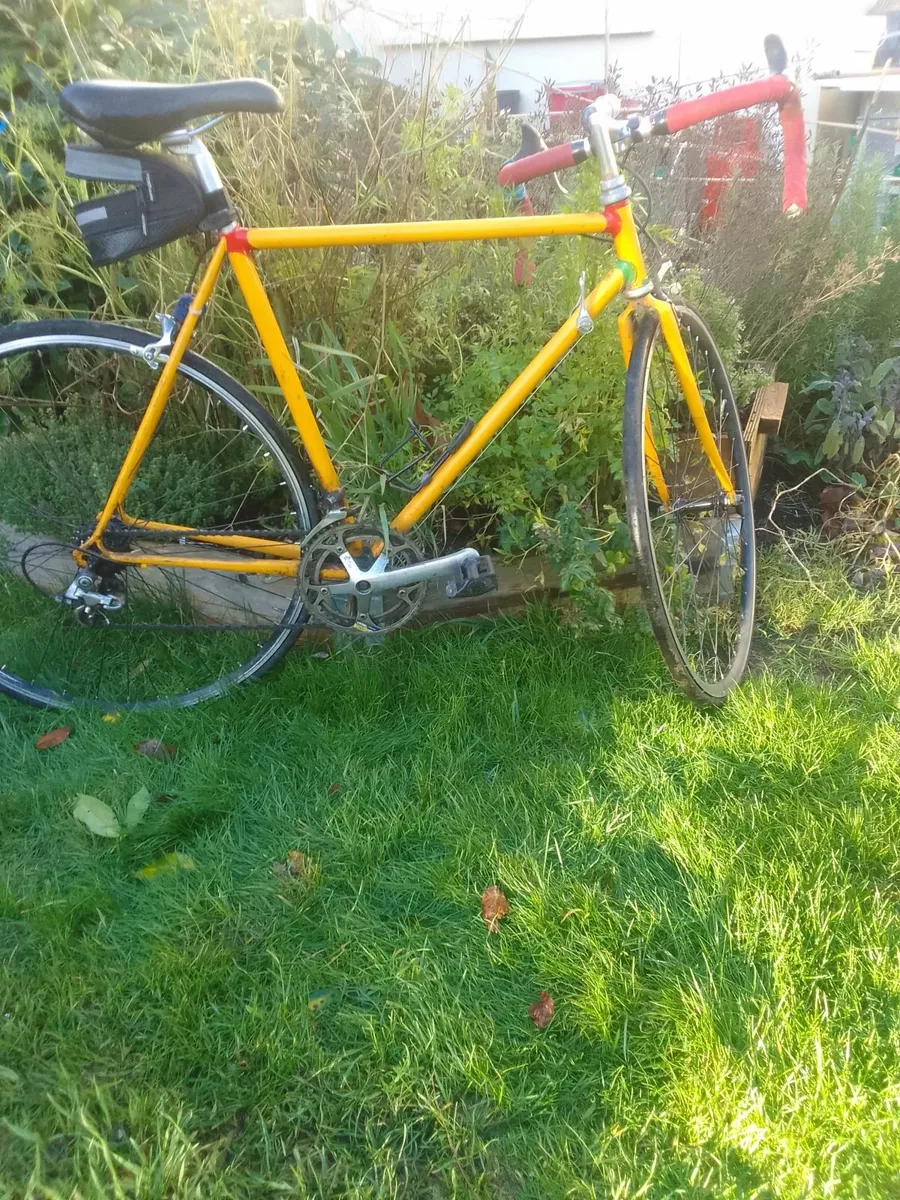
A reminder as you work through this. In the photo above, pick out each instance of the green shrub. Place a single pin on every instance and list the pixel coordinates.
(56, 473)
(566, 446)
(854, 417)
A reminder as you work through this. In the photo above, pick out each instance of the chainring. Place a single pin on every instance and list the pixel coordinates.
(357, 608)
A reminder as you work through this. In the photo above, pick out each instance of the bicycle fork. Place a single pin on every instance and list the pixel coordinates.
(675, 343)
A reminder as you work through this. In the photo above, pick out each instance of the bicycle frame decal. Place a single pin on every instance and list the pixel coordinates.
(238, 244)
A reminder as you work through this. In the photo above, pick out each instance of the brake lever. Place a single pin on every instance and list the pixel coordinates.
(533, 143)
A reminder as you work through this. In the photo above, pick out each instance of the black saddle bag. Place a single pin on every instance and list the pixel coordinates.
(165, 202)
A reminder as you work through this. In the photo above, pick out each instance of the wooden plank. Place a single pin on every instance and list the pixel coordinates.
(751, 425)
(755, 457)
(772, 402)
(764, 418)
(517, 584)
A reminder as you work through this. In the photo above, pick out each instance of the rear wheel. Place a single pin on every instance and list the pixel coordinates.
(113, 636)
(694, 549)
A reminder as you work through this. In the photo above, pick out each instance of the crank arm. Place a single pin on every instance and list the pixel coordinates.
(380, 579)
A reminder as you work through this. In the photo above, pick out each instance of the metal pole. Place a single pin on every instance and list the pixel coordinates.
(606, 43)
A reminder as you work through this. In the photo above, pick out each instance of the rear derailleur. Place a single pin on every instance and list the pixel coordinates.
(91, 598)
(98, 588)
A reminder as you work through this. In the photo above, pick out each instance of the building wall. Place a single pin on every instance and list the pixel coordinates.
(562, 40)
(525, 66)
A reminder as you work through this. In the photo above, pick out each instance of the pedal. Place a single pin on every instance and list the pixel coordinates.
(473, 579)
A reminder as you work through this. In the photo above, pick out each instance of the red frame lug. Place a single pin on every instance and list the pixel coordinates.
(614, 221)
(237, 240)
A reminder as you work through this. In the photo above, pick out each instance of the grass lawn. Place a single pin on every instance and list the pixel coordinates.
(711, 898)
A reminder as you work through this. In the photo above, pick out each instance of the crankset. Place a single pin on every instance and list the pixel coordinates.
(343, 572)
(355, 579)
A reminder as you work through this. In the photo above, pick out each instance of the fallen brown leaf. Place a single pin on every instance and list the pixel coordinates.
(542, 1011)
(153, 748)
(298, 866)
(54, 737)
(494, 905)
(334, 789)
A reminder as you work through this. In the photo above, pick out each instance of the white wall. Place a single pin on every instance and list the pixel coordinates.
(722, 35)
(524, 66)
(562, 40)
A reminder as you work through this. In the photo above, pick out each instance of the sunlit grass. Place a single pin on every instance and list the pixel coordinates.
(710, 897)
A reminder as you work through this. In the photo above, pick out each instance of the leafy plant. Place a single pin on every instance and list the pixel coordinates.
(584, 555)
(854, 418)
(50, 466)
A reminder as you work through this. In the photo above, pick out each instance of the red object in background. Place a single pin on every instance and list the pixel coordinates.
(570, 101)
(736, 154)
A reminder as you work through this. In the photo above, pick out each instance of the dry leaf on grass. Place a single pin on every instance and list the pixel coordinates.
(542, 1011)
(318, 999)
(298, 866)
(494, 905)
(334, 789)
(54, 737)
(298, 863)
(174, 861)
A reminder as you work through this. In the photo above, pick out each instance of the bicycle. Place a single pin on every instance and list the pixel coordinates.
(157, 552)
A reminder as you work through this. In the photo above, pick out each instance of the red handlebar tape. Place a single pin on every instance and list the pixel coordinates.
(545, 162)
(774, 88)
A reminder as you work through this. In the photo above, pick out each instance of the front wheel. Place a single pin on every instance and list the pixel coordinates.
(120, 635)
(694, 548)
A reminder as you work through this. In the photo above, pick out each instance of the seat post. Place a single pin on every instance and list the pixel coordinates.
(186, 143)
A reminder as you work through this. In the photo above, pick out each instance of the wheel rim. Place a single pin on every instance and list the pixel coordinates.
(700, 544)
(70, 404)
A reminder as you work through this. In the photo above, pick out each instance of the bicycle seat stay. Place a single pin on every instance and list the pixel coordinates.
(122, 115)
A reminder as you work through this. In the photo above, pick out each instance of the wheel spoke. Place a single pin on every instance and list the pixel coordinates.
(70, 406)
(695, 550)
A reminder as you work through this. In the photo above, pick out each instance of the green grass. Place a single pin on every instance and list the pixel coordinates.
(712, 899)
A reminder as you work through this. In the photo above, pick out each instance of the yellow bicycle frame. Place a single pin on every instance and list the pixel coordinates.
(628, 275)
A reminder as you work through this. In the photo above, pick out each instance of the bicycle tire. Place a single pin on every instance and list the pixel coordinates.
(253, 417)
(709, 687)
